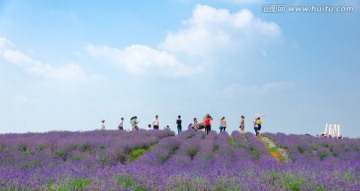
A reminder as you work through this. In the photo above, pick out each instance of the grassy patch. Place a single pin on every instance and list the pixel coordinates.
(70, 184)
(231, 140)
(289, 181)
(40, 147)
(128, 182)
(136, 153)
(124, 181)
(274, 152)
(253, 153)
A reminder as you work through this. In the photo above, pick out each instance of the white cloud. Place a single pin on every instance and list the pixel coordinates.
(213, 30)
(67, 72)
(141, 59)
(210, 33)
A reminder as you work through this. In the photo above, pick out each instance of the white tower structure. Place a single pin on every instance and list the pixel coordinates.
(332, 131)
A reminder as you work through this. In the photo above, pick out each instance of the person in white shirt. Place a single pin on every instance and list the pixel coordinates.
(121, 125)
(155, 123)
(102, 125)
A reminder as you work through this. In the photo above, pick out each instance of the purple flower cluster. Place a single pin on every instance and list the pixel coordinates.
(158, 160)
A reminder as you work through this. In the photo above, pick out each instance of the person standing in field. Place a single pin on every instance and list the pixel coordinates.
(195, 125)
(155, 123)
(178, 123)
(134, 123)
(207, 122)
(242, 124)
(102, 125)
(222, 124)
(256, 127)
(258, 122)
(121, 125)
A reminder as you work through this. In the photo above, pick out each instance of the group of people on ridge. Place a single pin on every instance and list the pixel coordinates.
(205, 124)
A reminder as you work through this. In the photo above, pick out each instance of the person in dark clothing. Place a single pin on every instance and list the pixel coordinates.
(178, 122)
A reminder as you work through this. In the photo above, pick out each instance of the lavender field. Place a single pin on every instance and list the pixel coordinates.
(159, 160)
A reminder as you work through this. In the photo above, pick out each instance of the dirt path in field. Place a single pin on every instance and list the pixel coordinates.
(279, 153)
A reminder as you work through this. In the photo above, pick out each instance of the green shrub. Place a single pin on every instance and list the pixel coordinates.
(313, 146)
(300, 149)
(231, 140)
(322, 154)
(325, 145)
(62, 154)
(287, 181)
(245, 138)
(125, 181)
(191, 152)
(73, 145)
(216, 147)
(241, 145)
(21, 147)
(162, 158)
(76, 157)
(29, 153)
(253, 153)
(103, 146)
(29, 164)
(121, 156)
(40, 147)
(136, 153)
(85, 147)
(70, 184)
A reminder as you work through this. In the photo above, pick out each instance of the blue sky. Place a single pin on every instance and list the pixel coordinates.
(66, 65)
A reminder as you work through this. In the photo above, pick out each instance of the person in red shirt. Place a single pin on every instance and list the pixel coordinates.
(207, 122)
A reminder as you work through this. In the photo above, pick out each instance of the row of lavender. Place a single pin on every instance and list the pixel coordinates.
(32, 160)
(305, 148)
(333, 162)
(193, 161)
